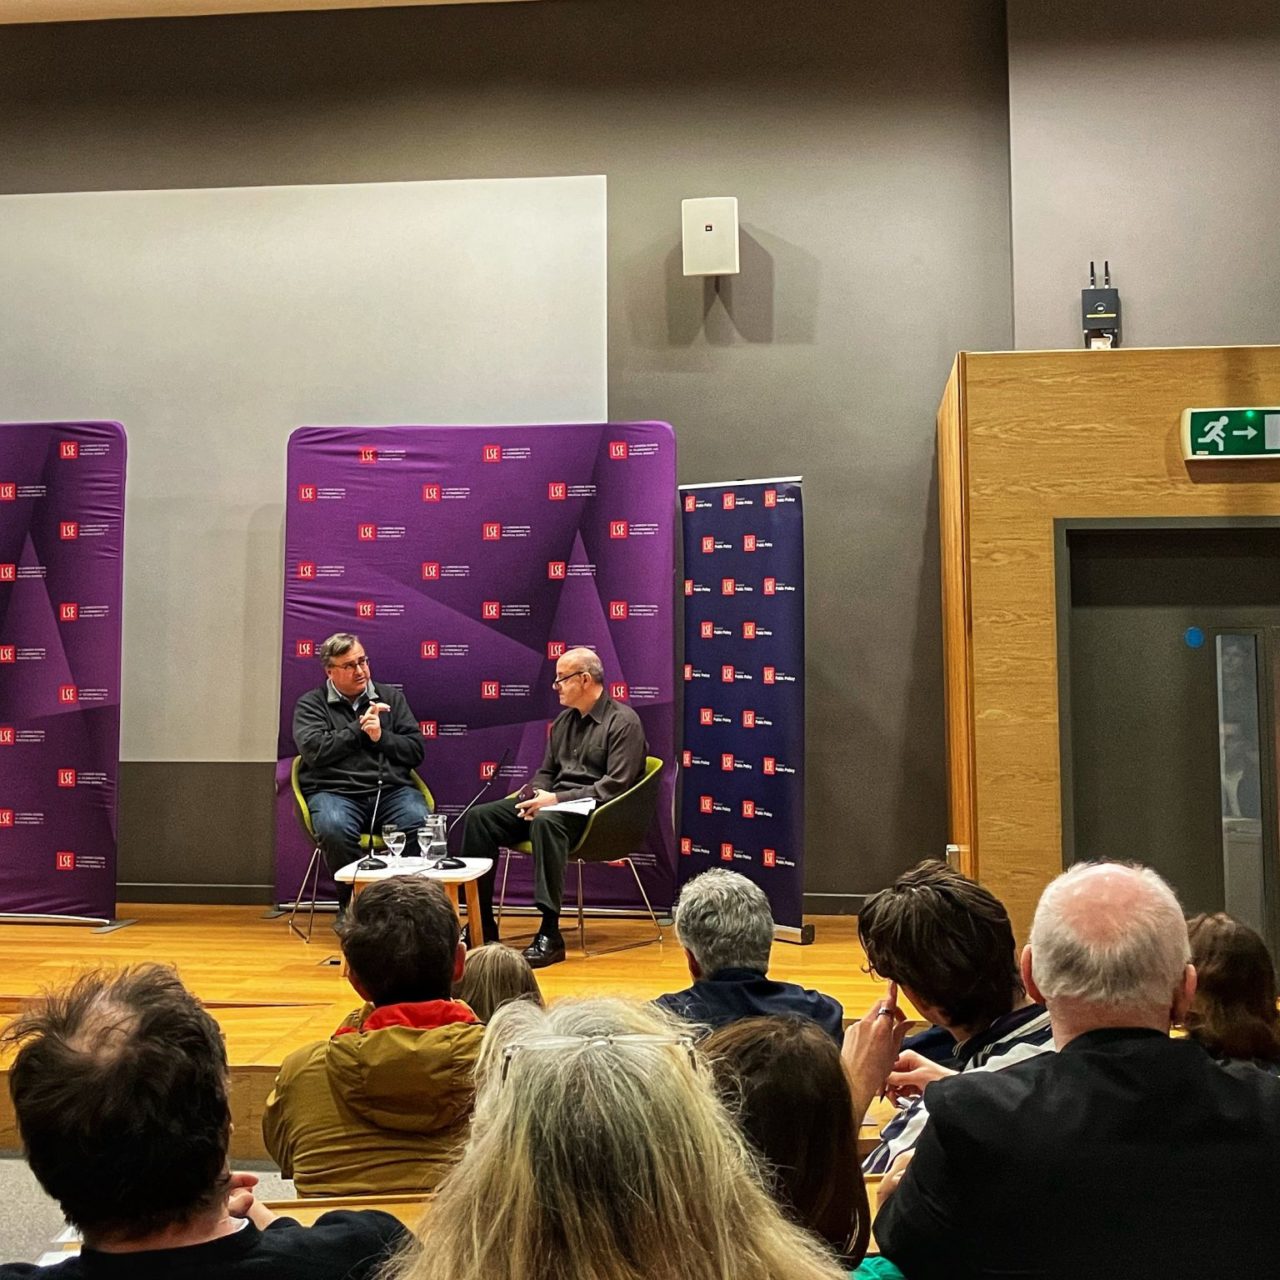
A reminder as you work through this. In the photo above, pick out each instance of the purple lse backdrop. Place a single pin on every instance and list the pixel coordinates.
(468, 559)
(61, 581)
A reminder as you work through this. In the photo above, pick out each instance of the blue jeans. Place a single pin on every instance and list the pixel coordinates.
(339, 822)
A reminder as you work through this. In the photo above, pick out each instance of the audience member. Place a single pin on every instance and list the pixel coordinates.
(383, 1105)
(601, 1152)
(494, 975)
(724, 924)
(119, 1086)
(1127, 1153)
(948, 945)
(1234, 1013)
(783, 1080)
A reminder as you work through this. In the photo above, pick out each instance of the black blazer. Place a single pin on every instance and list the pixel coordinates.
(1124, 1155)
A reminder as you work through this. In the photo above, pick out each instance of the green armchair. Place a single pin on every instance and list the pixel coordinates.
(613, 831)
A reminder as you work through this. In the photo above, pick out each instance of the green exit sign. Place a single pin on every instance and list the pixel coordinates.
(1230, 433)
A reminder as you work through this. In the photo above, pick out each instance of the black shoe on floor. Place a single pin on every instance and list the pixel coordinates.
(490, 928)
(545, 949)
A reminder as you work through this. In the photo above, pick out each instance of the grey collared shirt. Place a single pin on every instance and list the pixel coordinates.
(598, 755)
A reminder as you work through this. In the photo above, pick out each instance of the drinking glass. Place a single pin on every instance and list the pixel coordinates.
(394, 839)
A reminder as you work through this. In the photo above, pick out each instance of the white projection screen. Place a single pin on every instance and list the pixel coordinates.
(213, 322)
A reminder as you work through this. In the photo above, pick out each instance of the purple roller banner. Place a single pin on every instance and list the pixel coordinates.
(468, 559)
(743, 800)
(61, 583)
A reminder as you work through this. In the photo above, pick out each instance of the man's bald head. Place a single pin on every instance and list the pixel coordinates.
(1113, 937)
(583, 659)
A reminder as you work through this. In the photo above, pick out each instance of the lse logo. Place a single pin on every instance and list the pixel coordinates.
(706, 715)
(686, 846)
(556, 569)
(367, 454)
(770, 766)
(618, 450)
(748, 808)
(6, 735)
(69, 450)
(771, 586)
(66, 777)
(488, 689)
(690, 502)
(706, 804)
(491, 453)
(771, 675)
(726, 853)
(8, 491)
(771, 497)
(431, 648)
(688, 671)
(366, 609)
(8, 572)
(488, 769)
(6, 817)
(490, 610)
(688, 586)
(68, 694)
(686, 759)
(748, 542)
(431, 493)
(729, 501)
(491, 531)
(64, 861)
(68, 612)
(429, 728)
(726, 674)
(305, 649)
(618, 691)
(618, 610)
(769, 857)
(431, 571)
(307, 570)
(708, 546)
(557, 491)
(619, 529)
(8, 653)
(748, 630)
(306, 493)
(68, 530)
(555, 649)
(367, 532)
(726, 586)
(748, 719)
(726, 761)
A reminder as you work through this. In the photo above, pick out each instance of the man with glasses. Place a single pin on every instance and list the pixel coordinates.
(359, 746)
(595, 751)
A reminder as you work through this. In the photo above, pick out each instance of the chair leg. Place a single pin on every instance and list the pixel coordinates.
(313, 874)
(582, 919)
(502, 896)
(624, 946)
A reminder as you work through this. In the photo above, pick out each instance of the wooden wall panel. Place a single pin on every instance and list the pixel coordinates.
(1055, 435)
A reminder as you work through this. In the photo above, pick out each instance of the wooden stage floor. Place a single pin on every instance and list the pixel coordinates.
(271, 993)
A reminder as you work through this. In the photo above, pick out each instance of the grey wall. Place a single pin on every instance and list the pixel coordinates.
(1146, 132)
(868, 149)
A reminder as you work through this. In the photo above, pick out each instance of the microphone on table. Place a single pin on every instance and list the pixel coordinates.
(457, 864)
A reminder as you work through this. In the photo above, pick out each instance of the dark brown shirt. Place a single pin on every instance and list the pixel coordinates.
(599, 754)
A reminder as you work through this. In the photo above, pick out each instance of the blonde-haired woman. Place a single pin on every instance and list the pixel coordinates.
(494, 976)
(599, 1151)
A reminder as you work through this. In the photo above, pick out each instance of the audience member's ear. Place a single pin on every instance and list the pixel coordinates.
(1028, 978)
(695, 969)
(459, 962)
(1184, 995)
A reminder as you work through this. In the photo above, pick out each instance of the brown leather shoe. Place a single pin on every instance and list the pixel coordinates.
(545, 949)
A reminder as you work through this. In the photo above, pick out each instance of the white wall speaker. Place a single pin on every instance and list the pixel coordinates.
(709, 229)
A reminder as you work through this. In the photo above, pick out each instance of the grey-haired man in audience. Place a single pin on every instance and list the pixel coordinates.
(725, 926)
(1126, 1153)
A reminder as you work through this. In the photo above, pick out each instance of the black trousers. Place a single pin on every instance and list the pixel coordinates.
(488, 827)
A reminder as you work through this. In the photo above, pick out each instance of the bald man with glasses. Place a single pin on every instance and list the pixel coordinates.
(359, 745)
(595, 751)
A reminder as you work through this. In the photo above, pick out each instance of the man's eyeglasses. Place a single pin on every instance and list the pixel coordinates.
(559, 680)
(352, 666)
(593, 1042)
